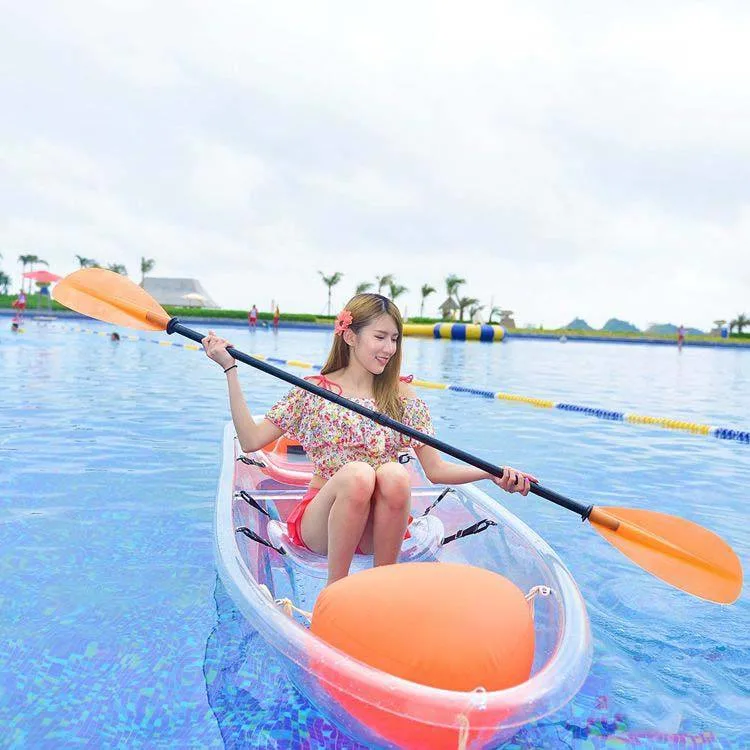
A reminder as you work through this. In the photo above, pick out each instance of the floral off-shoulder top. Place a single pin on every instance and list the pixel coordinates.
(333, 435)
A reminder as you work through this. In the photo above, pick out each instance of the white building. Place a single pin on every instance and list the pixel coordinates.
(173, 292)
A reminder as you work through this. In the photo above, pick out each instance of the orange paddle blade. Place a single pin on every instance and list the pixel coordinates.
(110, 297)
(679, 552)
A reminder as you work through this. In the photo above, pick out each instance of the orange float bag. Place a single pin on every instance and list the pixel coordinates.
(444, 625)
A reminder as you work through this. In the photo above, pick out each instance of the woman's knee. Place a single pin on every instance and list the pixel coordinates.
(358, 479)
(392, 483)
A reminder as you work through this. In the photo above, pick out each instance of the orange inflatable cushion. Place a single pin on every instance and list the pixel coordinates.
(445, 625)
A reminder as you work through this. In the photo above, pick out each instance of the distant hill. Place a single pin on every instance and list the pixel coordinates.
(669, 329)
(578, 325)
(614, 325)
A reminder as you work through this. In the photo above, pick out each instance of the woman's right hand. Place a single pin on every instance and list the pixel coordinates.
(216, 349)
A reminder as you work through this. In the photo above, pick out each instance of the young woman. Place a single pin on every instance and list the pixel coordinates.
(359, 497)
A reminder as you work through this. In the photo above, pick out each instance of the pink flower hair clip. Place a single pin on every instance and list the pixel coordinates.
(343, 321)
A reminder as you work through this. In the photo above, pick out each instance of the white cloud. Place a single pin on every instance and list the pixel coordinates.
(366, 186)
(224, 180)
(566, 160)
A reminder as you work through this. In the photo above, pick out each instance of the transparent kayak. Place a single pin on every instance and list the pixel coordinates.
(272, 582)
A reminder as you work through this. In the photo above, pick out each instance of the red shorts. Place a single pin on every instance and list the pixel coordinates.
(294, 520)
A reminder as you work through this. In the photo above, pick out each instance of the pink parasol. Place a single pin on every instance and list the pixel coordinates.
(45, 277)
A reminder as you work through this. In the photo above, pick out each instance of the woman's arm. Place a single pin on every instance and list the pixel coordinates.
(439, 471)
(251, 435)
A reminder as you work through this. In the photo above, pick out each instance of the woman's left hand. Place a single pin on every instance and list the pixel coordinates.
(513, 480)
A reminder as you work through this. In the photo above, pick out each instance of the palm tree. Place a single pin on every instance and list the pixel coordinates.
(34, 259)
(473, 310)
(396, 290)
(86, 262)
(495, 311)
(4, 281)
(147, 265)
(463, 303)
(452, 283)
(426, 290)
(330, 282)
(118, 268)
(739, 323)
(386, 280)
(365, 286)
(24, 261)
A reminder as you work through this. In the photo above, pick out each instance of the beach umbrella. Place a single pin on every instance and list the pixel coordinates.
(194, 297)
(678, 551)
(43, 277)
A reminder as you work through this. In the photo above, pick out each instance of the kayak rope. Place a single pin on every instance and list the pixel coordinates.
(289, 608)
(463, 731)
(478, 702)
(535, 591)
(722, 433)
(286, 604)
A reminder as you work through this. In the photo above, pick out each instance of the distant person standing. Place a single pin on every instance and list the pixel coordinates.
(252, 317)
(276, 316)
(680, 337)
(19, 303)
(44, 294)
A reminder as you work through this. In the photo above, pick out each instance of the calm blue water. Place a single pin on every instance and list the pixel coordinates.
(115, 632)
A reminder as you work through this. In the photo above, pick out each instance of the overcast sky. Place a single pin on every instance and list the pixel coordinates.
(567, 159)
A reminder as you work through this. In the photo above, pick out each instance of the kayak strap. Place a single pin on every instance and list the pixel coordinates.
(475, 528)
(250, 534)
(438, 499)
(250, 500)
(251, 461)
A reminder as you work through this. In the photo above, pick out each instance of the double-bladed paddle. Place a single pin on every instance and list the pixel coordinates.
(677, 551)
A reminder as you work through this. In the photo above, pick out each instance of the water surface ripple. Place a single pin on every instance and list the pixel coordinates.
(119, 635)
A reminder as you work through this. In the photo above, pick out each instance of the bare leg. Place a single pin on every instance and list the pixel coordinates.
(390, 515)
(335, 520)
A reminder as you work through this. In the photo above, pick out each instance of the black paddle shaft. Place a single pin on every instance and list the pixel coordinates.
(582, 510)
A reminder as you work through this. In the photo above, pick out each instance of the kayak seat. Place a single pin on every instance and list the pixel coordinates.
(427, 534)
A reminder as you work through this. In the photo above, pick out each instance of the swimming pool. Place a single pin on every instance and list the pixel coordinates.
(120, 635)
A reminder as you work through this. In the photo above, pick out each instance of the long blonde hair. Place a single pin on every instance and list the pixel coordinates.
(365, 308)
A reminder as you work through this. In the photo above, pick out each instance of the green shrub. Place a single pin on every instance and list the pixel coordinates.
(6, 300)
(200, 312)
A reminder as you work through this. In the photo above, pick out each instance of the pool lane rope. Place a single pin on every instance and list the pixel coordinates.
(722, 433)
